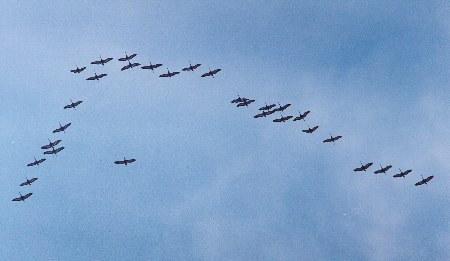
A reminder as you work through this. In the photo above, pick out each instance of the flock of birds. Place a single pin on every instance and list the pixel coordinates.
(270, 109)
(146, 67)
(265, 111)
(62, 128)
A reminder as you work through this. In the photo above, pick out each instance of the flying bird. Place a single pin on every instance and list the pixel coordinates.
(282, 119)
(383, 170)
(36, 162)
(22, 198)
(263, 114)
(282, 108)
(28, 182)
(72, 104)
(130, 65)
(211, 73)
(151, 66)
(127, 58)
(267, 107)
(363, 167)
(102, 61)
(332, 139)
(402, 173)
(302, 116)
(62, 128)
(96, 77)
(125, 161)
(310, 130)
(424, 181)
(78, 70)
(169, 74)
(191, 67)
(51, 144)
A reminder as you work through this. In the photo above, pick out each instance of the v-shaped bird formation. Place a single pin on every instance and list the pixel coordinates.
(264, 112)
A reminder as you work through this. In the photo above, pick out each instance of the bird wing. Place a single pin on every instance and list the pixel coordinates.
(206, 74)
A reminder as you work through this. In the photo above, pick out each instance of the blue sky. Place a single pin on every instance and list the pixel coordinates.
(210, 181)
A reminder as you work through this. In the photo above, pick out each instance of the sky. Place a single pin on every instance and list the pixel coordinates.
(210, 182)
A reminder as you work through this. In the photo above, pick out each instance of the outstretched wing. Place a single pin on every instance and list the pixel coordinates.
(27, 196)
(368, 165)
(165, 75)
(420, 182)
(337, 137)
(119, 162)
(284, 107)
(328, 140)
(68, 106)
(359, 169)
(33, 180)
(31, 164)
(101, 75)
(429, 178)
(130, 160)
(91, 78)
(40, 161)
(258, 116)
(17, 199)
(59, 149)
(207, 74)
(107, 60)
(278, 120)
(216, 71)
(287, 118)
(76, 103)
(96, 62)
(174, 73)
